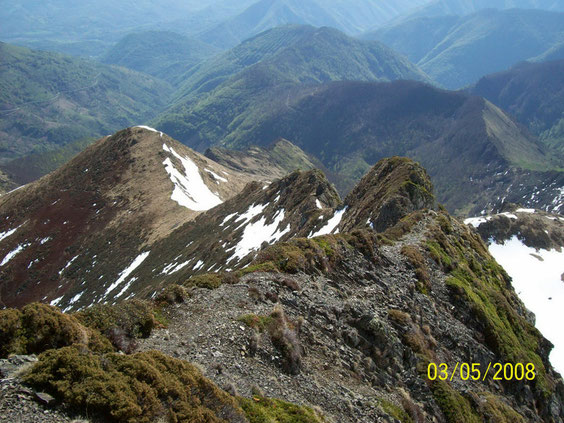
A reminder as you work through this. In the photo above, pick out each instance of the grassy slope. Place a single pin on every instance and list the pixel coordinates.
(48, 99)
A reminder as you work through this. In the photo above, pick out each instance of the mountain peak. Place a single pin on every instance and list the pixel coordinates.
(392, 189)
(123, 193)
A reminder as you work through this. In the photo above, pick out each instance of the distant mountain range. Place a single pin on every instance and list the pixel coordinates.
(456, 51)
(267, 14)
(166, 55)
(534, 94)
(289, 55)
(265, 89)
(49, 99)
(467, 7)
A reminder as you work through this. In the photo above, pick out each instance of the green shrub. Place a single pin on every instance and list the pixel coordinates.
(38, 327)
(454, 406)
(264, 410)
(136, 318)
(131, 388)
(172, 294)
(255, 321)
(207, 280)
(395, 411)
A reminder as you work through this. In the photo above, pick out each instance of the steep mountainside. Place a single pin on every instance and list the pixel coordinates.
(292, 54)
(6, 183)
(457, 51)
(349, 323)
(166, 55)
(48, 99)
(472, 150)
(534, 94)
(122, 194)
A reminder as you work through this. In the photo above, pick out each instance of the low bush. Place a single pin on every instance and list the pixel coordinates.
(264, 410)
(285, 337)
(172, 294)
(122, 323)
(417, 261)
(38, 327)
(132, 388)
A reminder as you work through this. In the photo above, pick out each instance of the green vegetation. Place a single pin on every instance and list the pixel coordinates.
(40, 327)
(135, 317)
(395, 411)
(315, 255)
(454, 406)
(49, 99)
(33, 166)
(532, 92)
(163, 54)
(248, 84)
(131, 388)
(172, 294)
(264, 410)
(498, 411)
(284, 334)
(260, 323)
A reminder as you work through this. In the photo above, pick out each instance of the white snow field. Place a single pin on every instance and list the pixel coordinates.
(537, 280)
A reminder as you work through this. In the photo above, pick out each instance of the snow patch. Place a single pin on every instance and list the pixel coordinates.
(525, 211)
(75, 298)
(4, 235)
(68, 264)
(228, 218)
(251, 213)
(198, 265)
(216, 176)
(174, 267)
(190, 191)
(45, 240)
(13, 253)
(330, 225)
(476, 221)
(148, 128)
(318, 204)
(538, 283)
(56, 301)
(126, 287)
(126, 272)
(258, 232)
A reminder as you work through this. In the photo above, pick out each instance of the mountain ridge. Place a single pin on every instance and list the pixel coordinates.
(378, 120)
